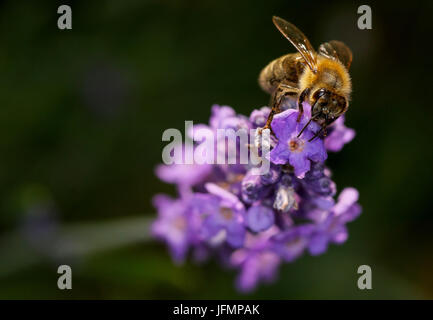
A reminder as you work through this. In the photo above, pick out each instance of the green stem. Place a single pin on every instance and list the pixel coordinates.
(17, 252)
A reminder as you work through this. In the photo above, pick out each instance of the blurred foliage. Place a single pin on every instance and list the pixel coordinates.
(83, 110)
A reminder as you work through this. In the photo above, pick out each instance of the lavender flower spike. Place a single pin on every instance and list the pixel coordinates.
(251, 220)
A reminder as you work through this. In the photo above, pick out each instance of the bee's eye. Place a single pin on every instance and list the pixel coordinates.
(324, 103)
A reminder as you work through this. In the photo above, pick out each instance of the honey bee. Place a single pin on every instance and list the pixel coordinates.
(322, 79)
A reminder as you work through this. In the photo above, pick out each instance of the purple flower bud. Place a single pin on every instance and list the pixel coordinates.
(260, 218)
(286, 180)
(316, 171)
(322, 186)
(318, 182)
(252, 187)
(219, 115)
(258, 117)
(271, 176)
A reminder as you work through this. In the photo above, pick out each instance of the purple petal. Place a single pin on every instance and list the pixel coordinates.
(225, 195)
(339, 136)
(249, 276)
(346, 199)
(236, 235)
(318, 244)
(300, 163)
(284, 124)
(280, 154)
(316, 150)
(340, 235)
(183, 174)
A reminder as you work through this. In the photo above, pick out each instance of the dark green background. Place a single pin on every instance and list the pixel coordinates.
(82, 112)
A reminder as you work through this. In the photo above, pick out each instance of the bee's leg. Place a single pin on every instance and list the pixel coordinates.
(323, 129)
(268, 122)
(301, 99)
(326, 124)
(283, 90)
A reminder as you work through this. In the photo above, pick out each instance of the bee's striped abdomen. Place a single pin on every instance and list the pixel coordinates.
(286, 68)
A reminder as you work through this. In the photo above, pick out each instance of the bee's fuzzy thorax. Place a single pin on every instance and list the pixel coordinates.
(331, 74)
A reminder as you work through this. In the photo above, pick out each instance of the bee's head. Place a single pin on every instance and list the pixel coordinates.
(327, 106)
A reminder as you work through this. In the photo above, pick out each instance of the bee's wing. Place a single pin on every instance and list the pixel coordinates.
(299, 40)
(337, 50)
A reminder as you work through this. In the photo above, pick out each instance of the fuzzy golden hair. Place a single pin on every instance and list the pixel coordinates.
(331, 74)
